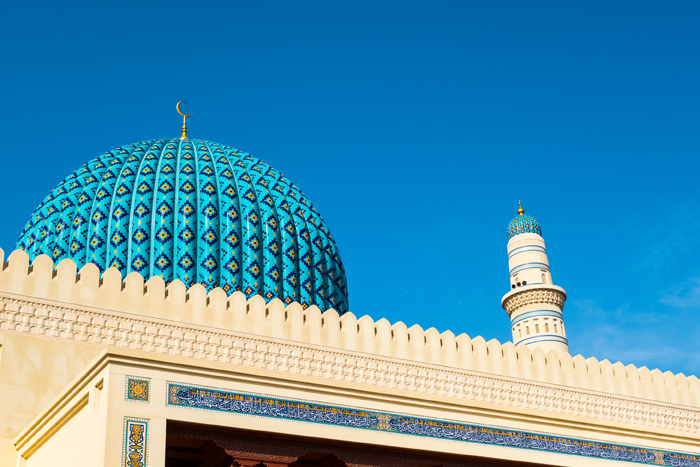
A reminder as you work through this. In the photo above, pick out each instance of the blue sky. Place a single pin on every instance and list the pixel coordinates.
(414, 127)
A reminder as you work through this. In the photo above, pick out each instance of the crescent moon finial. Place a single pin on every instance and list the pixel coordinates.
(184, 119)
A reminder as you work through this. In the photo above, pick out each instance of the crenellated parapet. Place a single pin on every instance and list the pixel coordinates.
(83, 306)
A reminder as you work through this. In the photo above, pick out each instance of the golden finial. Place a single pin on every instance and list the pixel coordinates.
(521, 211)
(184, 119)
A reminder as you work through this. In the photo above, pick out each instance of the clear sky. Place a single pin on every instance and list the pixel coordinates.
(414, 127)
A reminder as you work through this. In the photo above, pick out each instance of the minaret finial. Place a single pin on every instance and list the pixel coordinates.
(521, 211)
(184, 119)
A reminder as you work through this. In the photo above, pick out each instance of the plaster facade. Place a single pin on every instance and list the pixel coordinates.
(72, 340)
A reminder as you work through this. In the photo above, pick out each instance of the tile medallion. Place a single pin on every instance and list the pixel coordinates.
(138, 389)
(204, 398)
(135, 449)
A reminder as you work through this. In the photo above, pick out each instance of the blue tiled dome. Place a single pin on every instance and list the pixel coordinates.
(523, 224)
(196, 211)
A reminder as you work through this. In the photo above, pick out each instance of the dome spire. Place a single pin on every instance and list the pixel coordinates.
(184, 119)
(521, 211)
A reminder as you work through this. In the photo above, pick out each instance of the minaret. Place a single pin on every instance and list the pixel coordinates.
(534, 304)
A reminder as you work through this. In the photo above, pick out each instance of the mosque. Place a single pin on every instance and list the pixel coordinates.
(180, 303)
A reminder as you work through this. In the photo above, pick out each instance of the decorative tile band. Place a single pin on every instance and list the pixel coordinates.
(522, 267)
(537, 314)
(138, 389)
(542, 338)
(205, 398)
(135, 450)
(525, 249)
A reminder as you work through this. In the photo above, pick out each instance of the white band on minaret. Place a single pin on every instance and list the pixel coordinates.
(535, 306)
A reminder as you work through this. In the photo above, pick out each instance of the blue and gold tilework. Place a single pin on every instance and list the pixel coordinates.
(204, 398)
(138, 389)
(522, 223)
(196, 211)
(135, 444)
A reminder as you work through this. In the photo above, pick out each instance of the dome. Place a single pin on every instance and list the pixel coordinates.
(523, 223)
(196, 211)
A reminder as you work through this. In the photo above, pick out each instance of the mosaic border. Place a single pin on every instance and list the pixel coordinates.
(206, 398)
(537, 314)
(524, 266)
(527, 248)
(135, 444)
(128, 396)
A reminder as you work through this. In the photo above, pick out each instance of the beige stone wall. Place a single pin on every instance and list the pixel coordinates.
(61, 318)
(32, 371)
(104, 412)
(72, 429)
(68, 292)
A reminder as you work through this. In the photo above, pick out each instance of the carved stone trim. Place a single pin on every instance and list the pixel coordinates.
(288, 409)
(536, 295)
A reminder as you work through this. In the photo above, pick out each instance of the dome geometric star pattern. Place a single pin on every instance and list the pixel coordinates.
(196, 211)
(523, 223)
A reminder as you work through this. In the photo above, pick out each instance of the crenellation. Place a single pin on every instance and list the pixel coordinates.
(539, 364)
(153, 297)
(63, 286)
(580, 375)
(480, 357)
(365, 335)
(681, 384)
(237, 309)
(619, 374)
(693, 391)
(330, 334)
(16, 273)
(383, 339)
(256, 311)
(671, 387)
(463, 357)
(657, 384)
(642, 384)
(313, 326)
(594, 377)
(88, 284)
(196, 298)
(495, 357)
(416, 344)
(132, 294)
(433, 350)
(448, 348)
(275, 317)
(633, 380)
(295, 320)
(510, 360)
